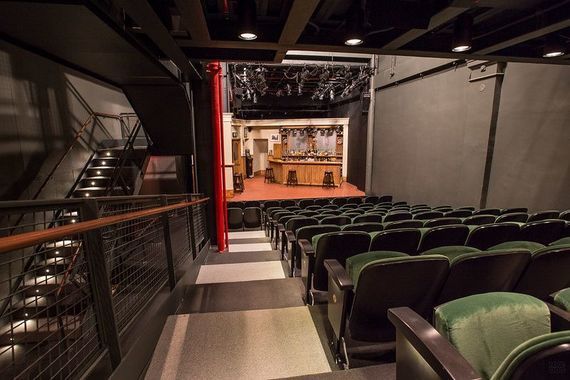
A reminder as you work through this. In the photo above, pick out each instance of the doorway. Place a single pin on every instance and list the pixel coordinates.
(260, 150)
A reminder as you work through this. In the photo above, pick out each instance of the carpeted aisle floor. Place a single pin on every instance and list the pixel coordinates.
(244, 319)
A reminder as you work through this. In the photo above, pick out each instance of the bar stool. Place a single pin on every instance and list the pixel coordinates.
(238, 183)
(328, 179)
(269, 175)
(292, 178)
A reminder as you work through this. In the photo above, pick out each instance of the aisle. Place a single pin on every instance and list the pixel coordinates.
(244, 319)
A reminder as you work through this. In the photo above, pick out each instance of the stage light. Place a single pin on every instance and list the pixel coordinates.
(247, 20)
(462, 33)
(553, 48)
(354, 35)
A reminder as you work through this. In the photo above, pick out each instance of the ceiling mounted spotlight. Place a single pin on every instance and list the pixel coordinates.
(354, 25)
(247, 14)
(553, 48)
(462, 33)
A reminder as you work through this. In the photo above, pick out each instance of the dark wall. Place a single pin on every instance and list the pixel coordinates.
(42, 107)
(357, 129)
(431, 135)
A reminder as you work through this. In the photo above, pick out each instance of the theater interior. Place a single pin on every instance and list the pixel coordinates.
(268, 189)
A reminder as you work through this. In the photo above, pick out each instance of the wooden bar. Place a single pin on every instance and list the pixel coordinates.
(308, 172)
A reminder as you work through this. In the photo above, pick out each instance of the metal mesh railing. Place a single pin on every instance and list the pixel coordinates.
(65, 295)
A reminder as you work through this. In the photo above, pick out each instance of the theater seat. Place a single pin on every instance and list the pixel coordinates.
(565, 215)
(562, 299)
(378, 281)
(479, 220)
(333, 245)
(403, 240)
(483, 272)
(403, 224)
(372, 218)
(396, 216)
(519, 217)
(451, 252)
(489, 235)
(289, 238)
(304, 203)
(496, 336)
(563, 241)
(546, 273)
(543, 215)
(307, 233)
(252, 218)
(339, 220)
(441, 222)
(544, 232)
(528, 245)
(364, 227)
(514, 210)
(458, 213)
(443, 236)
(488, 211)
(235, 219)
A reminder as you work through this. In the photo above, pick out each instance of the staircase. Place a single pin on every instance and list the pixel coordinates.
(44, 293)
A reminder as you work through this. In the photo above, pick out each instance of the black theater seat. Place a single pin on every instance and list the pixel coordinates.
(451, 235)
(235, 219)
(252, 218)
(404, 240)
(489, 235)
(518, 217)
(543, 232)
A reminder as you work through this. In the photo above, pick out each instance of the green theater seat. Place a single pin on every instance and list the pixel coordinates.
(451, 252)
(563, 241)
(562, 299)
(495, 336)
(530, 245)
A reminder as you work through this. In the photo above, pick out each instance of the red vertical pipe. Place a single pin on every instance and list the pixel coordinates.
(215, 69)
(220, 94)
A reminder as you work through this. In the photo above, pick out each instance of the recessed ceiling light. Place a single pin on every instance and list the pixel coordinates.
(462, 33)
(354, 41)
(553, 48)
(247, 36)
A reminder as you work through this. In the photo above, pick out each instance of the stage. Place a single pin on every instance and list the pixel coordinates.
(256, 189)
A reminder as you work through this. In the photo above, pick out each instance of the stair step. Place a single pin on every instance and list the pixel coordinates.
(49, 306)
(40, 329)
(47, 289)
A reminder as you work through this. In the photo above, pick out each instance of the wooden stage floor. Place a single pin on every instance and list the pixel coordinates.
(256, 189)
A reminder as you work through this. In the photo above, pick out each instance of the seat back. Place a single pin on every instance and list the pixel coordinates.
(322, 202)
(252, 217)
(287, 203)
(268, 204)
(393, 282)
(371, 199)
(364, 227)
(519, 217)
(237, 204)
(293, 208)
(442, 222)
(486, 328)
(385, 198)
(547, 272)
(313, 208)
(329, 207)
(337, 246)
(444, 236)
(478, 220)
(339, 220)
(372, 218)
(355, 200)
(366, 206)
(543, 215)
(339, 201)
(460, 213)
(444, 208)
(235, 218)
(331, 212)
(543, 232)
(513, 210)
(483, 272)
(297, 222)
(428, 215)
(404, 240)
(470, 208)
(489, 235)
(307, 213)
(252, 204)
(395, 216)
(303, 203)
(403, 224)
(565, 215)
(488, 211)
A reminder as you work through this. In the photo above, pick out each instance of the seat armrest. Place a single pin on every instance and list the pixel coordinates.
(290, 237)
(280, 227)
(306, 247)
(436, 351)
(338, 274)
(559, 318)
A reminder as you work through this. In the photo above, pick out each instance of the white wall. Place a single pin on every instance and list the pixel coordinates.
(227, 129)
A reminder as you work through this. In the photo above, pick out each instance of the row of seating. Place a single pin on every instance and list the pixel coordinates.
(361, 288)
(305, 202)
(249, 218)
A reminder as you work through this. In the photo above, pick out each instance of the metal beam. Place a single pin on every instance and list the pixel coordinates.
(364, 50)
(436, 21)
(526, 37)
(193, 19)
(299, 15)
(147, 19)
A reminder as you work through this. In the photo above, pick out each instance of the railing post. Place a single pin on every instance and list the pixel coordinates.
(100, 285)
(192, 232)
(168, 245)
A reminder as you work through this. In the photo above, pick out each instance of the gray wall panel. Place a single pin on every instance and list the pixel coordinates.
(531, 166)
(430, 138)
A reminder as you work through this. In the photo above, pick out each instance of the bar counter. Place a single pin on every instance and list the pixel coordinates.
(308, 172)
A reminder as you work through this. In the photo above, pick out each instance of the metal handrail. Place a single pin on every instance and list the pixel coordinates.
(26, 239)
(123, 159)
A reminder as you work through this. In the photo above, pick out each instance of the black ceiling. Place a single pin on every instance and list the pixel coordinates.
(514, 30)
